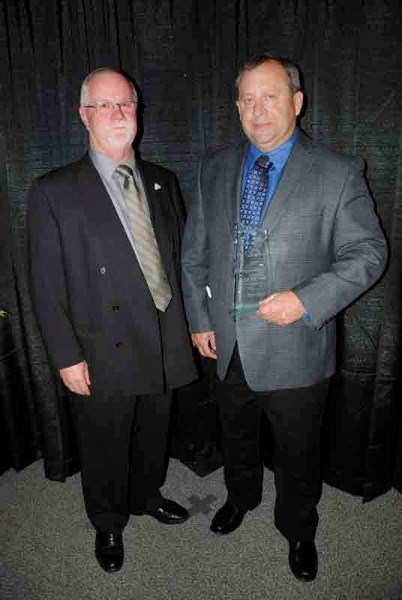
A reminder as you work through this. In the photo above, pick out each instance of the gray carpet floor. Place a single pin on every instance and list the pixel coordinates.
(46, 547)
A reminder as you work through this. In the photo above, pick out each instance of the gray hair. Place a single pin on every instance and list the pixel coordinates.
(292, 70)
(85, 83)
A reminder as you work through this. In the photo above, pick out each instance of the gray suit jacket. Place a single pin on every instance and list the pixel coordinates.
(326, 245)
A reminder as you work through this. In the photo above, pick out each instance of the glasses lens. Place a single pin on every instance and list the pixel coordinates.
(128, 106)
(104, 107)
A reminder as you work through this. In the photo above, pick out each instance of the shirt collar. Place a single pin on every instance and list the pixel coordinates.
(107, 166)
(278, 156)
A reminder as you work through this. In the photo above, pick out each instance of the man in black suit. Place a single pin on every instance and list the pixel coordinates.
(104, 254)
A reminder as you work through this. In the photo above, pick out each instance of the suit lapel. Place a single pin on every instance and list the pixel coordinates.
(98, 205)
(106, 231)
(298, 164)
(155, 192)
(103, 223)
(233, 179)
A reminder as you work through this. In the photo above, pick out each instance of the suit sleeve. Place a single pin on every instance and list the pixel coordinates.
(195, 266)
(48, 283)
(359, 251)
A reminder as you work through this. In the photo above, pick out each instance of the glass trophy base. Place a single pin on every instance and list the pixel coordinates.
(253, 273)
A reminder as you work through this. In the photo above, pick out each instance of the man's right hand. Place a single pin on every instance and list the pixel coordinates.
(205, 343)
(76, 378)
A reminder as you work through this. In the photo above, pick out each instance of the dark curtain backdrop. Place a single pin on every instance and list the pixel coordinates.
(184, 55)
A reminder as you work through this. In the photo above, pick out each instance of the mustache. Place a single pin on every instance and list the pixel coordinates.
(120, 125)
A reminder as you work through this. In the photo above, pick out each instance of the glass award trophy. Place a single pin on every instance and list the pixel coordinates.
(253, 274)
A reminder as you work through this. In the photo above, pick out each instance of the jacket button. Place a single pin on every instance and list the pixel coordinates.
(115, 307)
(118, 344)
(102, 270)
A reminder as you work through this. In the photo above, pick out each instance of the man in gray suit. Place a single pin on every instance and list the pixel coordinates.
(326, 248)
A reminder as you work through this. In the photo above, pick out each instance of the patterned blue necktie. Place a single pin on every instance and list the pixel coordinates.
(253, 198)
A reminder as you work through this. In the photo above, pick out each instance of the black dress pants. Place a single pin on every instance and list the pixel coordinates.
(295, 417)
(122, 442)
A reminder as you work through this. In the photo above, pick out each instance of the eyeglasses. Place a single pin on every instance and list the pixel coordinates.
(106, 107)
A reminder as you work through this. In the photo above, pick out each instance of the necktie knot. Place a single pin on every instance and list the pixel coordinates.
(263, 162)
(126, 172)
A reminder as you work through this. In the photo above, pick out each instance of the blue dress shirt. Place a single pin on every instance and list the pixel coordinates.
(277, 157)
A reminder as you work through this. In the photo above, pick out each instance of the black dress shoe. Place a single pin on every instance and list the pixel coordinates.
(109, 550)
(168, 512)
(227, 519)
(303, 560)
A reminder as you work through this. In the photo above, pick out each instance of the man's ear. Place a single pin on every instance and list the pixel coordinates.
(298, 99)
(83, 115)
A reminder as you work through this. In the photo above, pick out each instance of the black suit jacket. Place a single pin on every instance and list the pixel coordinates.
(89, 293)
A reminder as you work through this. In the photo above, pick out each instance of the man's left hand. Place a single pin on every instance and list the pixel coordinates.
(281, 308)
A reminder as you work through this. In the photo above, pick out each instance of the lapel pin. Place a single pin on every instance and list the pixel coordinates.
(157, 187)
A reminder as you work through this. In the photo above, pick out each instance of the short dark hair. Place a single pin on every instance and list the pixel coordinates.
(292, 70)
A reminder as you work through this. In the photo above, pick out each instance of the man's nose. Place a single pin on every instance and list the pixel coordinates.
(259, 107)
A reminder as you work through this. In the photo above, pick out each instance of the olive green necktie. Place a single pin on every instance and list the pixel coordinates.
(144, 240)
